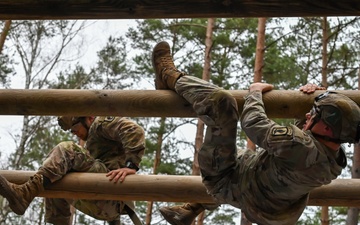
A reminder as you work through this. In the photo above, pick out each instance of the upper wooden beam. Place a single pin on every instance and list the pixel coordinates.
(140, 103)
(137, 9)
(166, 188)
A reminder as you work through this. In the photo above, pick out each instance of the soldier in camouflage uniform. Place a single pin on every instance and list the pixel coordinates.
(114, 145)
(270, 186)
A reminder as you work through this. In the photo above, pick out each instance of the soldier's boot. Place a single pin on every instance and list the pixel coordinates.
(20, 196)
(166, 73)
(182, 215)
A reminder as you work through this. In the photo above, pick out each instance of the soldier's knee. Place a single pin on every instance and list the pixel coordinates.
(70, 146)
(222, 94)
(224, 98)
(65, 144)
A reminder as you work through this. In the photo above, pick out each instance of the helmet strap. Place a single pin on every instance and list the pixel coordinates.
(316, 119)
(327, 138)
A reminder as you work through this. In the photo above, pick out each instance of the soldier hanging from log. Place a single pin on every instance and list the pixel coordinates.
(270, 186)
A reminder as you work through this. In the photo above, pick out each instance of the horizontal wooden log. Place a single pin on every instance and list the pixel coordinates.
(166, 188)
(140, 103)
(140, 9)
(136, 187)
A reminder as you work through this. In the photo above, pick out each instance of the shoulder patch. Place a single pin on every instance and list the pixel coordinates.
(109, 118)
(282, 131)
(280, 134)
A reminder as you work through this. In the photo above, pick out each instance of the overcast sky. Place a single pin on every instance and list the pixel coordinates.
(96, 36)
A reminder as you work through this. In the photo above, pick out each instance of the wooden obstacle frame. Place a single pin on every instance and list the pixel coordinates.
(279, 104)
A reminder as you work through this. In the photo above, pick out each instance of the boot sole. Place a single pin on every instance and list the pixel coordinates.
(170, 217)
(14, 202)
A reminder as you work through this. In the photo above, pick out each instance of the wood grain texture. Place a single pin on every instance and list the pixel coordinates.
(168, 188)
(140, 103)
(135, 187)
(145, 9)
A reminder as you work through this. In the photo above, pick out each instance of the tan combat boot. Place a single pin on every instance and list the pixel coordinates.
(182, 215)
(20, 196)
(166, 73)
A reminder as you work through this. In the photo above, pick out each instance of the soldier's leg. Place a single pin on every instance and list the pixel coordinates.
(214, 106)
(218, 109)
(63, 158)
(67, 157)
(107, 210)
(60, 160)
(58, 211)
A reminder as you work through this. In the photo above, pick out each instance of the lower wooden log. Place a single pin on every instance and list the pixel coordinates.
(169, 188)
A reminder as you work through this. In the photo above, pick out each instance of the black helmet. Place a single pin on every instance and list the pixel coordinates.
(66, 122)
(341, 114)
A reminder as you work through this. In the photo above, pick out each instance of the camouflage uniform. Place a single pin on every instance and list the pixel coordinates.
(111, 142)
(270, 186)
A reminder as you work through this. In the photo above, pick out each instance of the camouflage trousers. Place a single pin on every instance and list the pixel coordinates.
(69, 157)
(218, 109)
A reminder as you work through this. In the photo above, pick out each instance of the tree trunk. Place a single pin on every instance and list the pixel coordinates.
(324, 54)
(353, 213)
(200, 125)
(259, 64)
(157, 161)
(325, 215)
(4, 34)
(325, 209)
(260, 50)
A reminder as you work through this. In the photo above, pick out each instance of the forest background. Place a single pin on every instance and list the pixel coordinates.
(117, 55)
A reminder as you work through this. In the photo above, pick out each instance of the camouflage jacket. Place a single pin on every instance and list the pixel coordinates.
(116, 140)
(276, 181)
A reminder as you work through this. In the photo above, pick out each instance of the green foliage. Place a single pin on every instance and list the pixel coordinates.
(172, 146)
(112, 66)
(73, 79)
(45, 139)
(223, 215)
(337, 215)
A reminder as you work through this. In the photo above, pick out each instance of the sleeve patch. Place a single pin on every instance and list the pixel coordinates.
(282, 131)
(109, 118)
(281, 134)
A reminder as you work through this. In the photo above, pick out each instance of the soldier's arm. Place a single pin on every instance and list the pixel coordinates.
(254, 120)
(264, 132)
(128, 134)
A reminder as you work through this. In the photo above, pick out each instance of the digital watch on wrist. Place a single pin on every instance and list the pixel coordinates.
(131, 165)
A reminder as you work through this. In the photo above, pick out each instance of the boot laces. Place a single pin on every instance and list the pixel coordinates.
(187, 206)
(167, 62)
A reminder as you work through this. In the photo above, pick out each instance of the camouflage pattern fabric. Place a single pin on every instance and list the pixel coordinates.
(116, 140)
(270, 186)
(111, 142)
